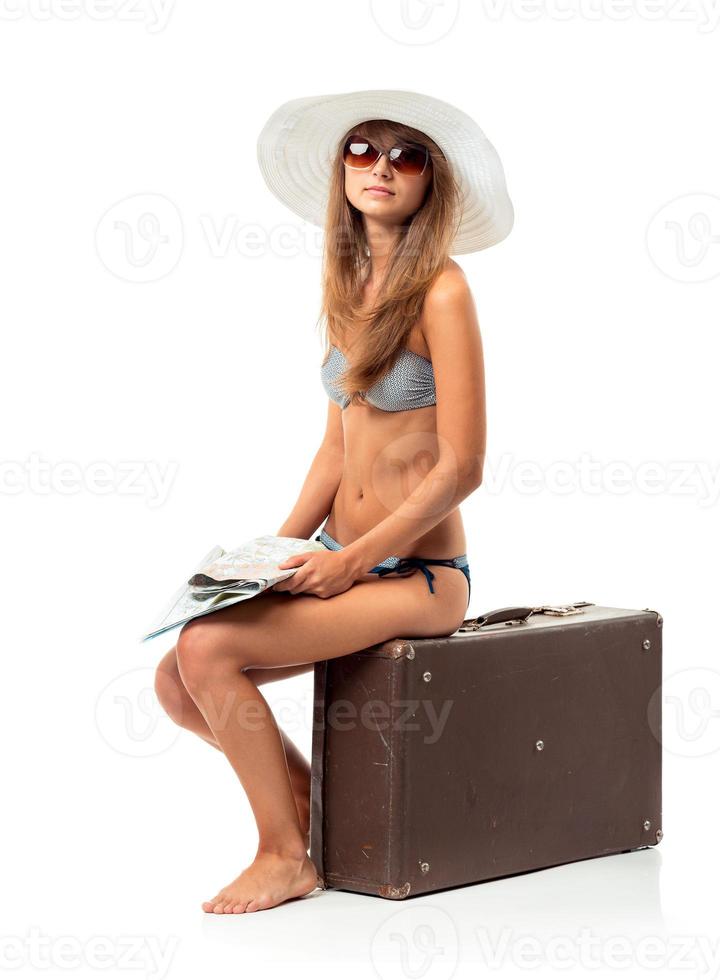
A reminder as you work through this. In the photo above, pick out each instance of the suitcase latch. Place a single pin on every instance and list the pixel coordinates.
(568, 610)
(519, 614)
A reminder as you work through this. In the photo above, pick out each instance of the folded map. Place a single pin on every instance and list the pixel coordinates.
(225, 577)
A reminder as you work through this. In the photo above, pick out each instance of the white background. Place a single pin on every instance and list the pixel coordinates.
(173, 348)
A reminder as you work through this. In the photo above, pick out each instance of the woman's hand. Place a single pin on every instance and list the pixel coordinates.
(319, 573)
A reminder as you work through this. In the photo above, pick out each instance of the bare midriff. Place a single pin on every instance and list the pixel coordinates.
(387, 454)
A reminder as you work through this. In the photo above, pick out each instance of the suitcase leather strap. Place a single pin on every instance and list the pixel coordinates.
(519, 614)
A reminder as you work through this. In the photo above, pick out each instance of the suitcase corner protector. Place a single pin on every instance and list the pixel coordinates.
(394, 649)
(659, 621)
(394, 891)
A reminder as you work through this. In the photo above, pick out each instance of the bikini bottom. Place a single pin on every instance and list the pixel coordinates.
(394, 564)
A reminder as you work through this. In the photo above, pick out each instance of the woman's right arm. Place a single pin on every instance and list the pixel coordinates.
(321, 483)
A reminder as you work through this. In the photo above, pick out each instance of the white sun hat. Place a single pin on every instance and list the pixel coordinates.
(298, 143)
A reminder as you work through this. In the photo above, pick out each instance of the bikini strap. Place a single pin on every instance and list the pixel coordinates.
(405, 564)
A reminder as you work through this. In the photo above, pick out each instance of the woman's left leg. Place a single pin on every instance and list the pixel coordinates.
(278, 629)
(181, 708)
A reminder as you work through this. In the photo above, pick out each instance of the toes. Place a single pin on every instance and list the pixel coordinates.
(224, 903)
(256, 904)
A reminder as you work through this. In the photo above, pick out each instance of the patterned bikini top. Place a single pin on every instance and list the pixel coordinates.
(410, 382)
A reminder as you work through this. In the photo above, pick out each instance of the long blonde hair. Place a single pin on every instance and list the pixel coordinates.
(418, 257)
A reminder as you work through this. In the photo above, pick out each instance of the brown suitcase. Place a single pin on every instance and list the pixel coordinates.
(529, 738)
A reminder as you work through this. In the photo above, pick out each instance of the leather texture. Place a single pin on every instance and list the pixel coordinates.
(529, 738)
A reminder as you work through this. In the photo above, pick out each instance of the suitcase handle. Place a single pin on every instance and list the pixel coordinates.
(513, 614)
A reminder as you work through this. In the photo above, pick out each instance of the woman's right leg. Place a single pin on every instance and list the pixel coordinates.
(180, 707)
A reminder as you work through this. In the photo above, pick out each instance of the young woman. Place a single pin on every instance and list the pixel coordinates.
(399, 180)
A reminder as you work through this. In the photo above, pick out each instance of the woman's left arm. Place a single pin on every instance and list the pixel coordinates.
(452, 334)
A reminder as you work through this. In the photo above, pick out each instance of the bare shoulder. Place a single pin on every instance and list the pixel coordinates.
(451, 284)
(449, 306)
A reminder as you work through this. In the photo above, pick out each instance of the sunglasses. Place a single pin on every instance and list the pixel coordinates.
(360, 154)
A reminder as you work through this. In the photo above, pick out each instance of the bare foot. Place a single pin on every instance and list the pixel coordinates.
(270, 880)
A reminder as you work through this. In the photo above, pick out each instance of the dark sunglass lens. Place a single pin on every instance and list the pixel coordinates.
(359, 153)
(409, 160)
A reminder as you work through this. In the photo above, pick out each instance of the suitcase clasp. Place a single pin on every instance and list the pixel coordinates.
(518, 614)
(568, 610)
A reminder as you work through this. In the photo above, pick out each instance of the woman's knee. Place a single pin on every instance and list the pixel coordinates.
(170, 690)
(201, 654)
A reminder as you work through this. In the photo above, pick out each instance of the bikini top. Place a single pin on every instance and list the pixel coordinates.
(410, 383)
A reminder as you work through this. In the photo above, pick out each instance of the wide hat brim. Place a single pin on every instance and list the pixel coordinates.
(298, 143)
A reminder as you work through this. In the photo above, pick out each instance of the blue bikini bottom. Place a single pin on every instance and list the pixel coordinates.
(394, 564)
